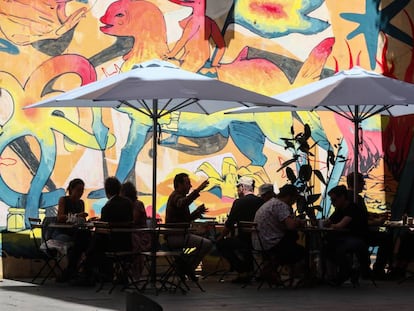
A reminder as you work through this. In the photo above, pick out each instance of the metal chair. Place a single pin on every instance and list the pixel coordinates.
(163, 263)
(267, 267)
(50, 253)
(120, 257)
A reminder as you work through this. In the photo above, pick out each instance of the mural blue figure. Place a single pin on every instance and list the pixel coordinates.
(374, 21)
(41, 125)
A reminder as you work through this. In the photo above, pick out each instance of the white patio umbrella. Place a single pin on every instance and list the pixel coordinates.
(355, 94)
(157, 88)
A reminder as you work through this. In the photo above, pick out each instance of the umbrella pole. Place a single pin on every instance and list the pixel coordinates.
(153, 272)
(356, 153)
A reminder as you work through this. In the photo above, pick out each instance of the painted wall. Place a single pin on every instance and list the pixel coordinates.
(48, 47)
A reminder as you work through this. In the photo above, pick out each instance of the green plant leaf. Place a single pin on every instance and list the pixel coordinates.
(287, 163)
(301, 205)
(312, 198)
(320, 176)
(290, 175)
(318, 208)
(304, 147)
(307, 131)
(305, 172)
(289, 144)
(331, 157)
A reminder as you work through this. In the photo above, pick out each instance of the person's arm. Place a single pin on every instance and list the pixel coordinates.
(139, 212)
(185, 201)
(343, 223)
(61, 216)
(377, 219)
(198, 212)
(82, 214)
(230, 222)
(293, 224)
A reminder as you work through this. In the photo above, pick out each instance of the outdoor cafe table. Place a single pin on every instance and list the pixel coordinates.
(315, 257)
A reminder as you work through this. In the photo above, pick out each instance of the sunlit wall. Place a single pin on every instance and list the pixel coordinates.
(266, 46)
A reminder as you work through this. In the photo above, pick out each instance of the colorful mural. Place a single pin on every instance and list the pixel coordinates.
(267, 46)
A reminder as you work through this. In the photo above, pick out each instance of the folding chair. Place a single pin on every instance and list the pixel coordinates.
(50, 253)
(119, 258)
(266, 266)
(166, 261)
(182, 263)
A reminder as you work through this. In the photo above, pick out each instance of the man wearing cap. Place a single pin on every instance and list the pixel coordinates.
(236, 249)
(276, 225)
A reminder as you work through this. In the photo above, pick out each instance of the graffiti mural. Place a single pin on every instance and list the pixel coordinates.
(267, 46)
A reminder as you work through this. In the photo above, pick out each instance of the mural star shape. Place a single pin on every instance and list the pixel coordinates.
(374, 21)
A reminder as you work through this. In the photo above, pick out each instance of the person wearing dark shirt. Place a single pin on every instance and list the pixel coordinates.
(118, 210)
(237, 249)
(382, 239)
(178, 211)
(141, 241)
(71, 206)
(343, 244)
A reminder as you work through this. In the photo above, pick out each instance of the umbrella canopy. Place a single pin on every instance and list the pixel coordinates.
(157, 88)
(173, 88)
(355, 94)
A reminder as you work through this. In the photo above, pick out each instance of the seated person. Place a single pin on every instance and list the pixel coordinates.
(237, 249)
(117, 210)
(178, 211)
(382, 239)
(404, 254)
(352, 241)
(141, 241)
(72, 204)
(276, 226)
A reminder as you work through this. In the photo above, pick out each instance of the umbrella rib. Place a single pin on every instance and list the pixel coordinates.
(342, 113)
(164, 108)
(387, 108)
(143, 103)
(371, 112)
(187, 102)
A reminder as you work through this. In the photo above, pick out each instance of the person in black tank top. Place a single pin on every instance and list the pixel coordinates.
(72, 204)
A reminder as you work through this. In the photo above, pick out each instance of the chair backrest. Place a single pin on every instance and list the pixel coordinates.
(36, 223)
(172, 229)
(244, 229)
(250, 228)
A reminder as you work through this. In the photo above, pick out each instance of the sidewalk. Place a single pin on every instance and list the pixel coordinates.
(20, 295)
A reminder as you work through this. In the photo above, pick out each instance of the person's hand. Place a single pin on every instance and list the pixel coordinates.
(327, 223)
(300, 223)
(203, 185)
(82, 215)
(202, 210)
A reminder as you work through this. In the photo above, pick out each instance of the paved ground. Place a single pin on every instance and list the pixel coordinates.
(21, 295)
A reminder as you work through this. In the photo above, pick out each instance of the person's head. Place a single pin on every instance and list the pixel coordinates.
(182, 183)
(288, 194)
(129, 191)
(360, 181)
(112, 186)
(266, 192)
(245, 184)
(75, 188)
(339, 196)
